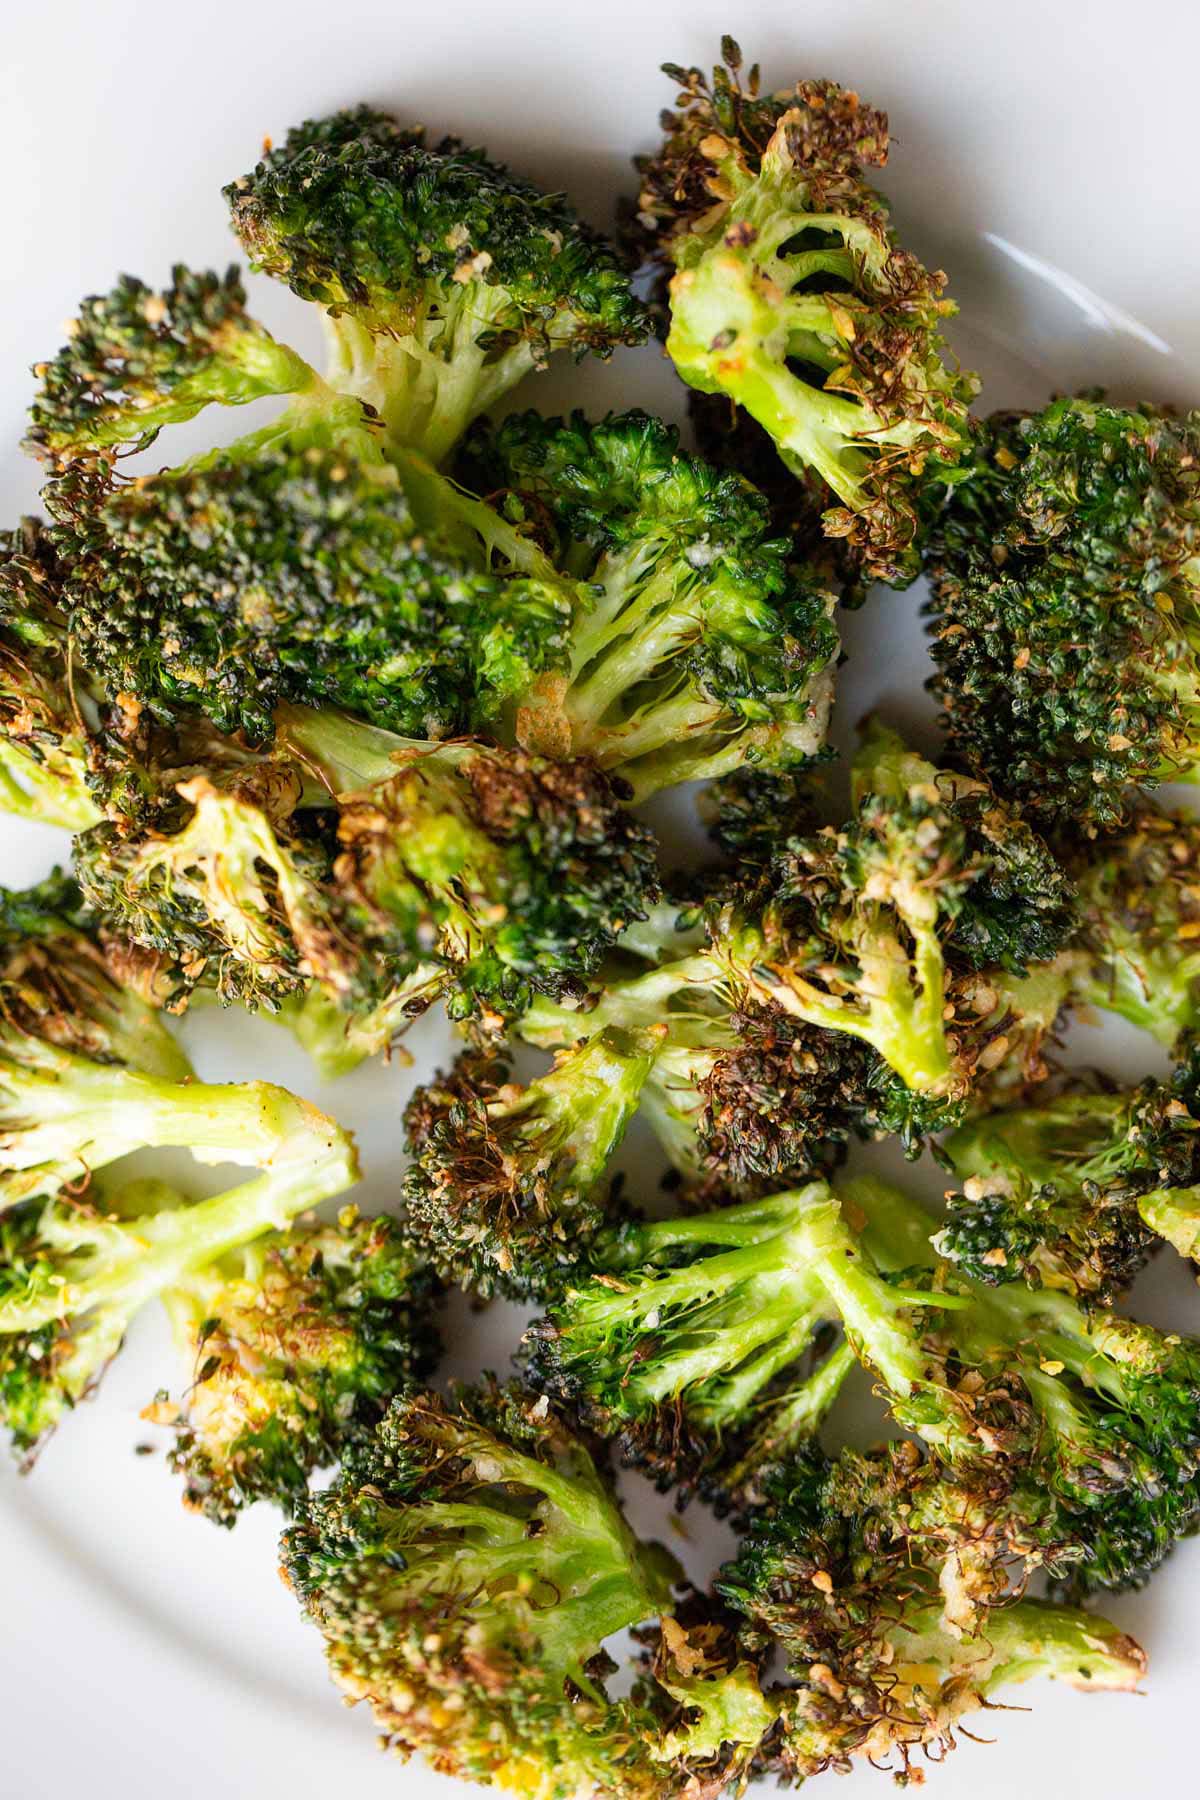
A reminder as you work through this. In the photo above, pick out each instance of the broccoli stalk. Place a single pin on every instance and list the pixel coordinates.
(507, 1186)
(295, 1344)
(792, 297)
(74, 1273)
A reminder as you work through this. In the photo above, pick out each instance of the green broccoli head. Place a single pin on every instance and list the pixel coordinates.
(1064, 608)
(682, 1329)
(1020, 905)
(700, 644)
(443, 276)
(878, 1671)
(792, 297)
(295, 1346)
(136, 361)
(45, 716)
(75, 1271)
(465, 1569)
(1139, 903)
(292, 575)
(1079, 1429)
(508, 1185)
(1076, 1191)
(517, 874)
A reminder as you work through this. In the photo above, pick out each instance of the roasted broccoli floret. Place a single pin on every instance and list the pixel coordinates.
(442, 277)
(45, 717)
(620, 600)
(1075, 1431)
(679, 1332)
(294, 1347)
(699, 643)
(382, 870)
(1065, 623)
(1020, 907)
(508, 1184)
(877, 1672)
(1073, 1436)
(865, 977)
(466, 1570)
(1078, 1190)
(1139, 902)
(76, 1269)
(792, 297)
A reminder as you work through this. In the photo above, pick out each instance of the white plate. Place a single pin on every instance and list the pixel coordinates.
(1045, 155)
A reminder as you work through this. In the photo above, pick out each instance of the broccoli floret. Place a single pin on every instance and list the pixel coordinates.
(224, 889)
(1020, 908)
(1139, 901)
(443, 278)
(778, 1046)
(1079, 1430)
(294, 1346)
(485, 875)
(75, 1271)
(44, 716)
(508, 1185)
(1065, 608)
(136, 361)
(739, 1091)
(516, 873)
(621, 600)
(792, 297)
(297, 575)
(465, 1570)
(1077, 1191)
(699, 644)
(681, 1329)
(876, 1670)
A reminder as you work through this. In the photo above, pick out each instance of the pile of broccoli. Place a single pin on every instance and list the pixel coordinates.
(355, 716)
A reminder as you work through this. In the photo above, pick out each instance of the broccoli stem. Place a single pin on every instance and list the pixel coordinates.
(64, 1116)
(137, 1261)
(1020, 1641)
(1174, 1214)
(50, 790)
(430, 377)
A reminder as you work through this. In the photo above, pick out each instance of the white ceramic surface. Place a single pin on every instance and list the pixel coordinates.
(1045, 155)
